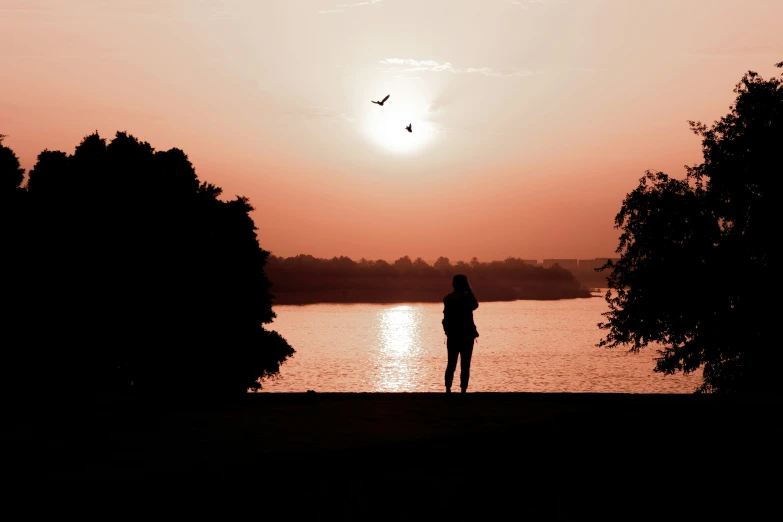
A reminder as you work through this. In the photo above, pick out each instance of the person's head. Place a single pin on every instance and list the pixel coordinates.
(460, 283)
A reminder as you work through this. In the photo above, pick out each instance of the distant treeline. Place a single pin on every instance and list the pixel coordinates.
(592, 278)
(307, 279)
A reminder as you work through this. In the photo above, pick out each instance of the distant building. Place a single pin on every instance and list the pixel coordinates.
(592, 264)
(533, 262)
(568, 264)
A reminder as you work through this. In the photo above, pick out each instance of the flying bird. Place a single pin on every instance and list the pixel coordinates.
(409, 129)
(382, 101)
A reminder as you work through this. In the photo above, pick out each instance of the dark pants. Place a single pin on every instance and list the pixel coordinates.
(462, 348)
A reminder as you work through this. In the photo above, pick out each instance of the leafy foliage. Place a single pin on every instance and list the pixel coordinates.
(11, 173)
(132, 274)
(511, 268)
(697, 255)
(306, 279)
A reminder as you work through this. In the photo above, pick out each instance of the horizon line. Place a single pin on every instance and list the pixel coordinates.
(539, 260)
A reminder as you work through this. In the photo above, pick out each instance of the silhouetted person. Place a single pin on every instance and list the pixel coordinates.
(460, 330)
(382, 101)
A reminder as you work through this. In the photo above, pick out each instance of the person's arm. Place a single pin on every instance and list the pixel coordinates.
(472, 300)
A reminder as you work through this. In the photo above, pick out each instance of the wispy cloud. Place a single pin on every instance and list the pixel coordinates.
(159, 10)
(736, 50)
(357, 4)
(27, 6)
(525, 4)
(340, 7)
(402, 65)
(587, 69)
(415, 65)
(321, 112)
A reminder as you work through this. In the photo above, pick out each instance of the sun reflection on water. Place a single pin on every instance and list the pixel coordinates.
(525, 346)
(398, 329)
(398, 352)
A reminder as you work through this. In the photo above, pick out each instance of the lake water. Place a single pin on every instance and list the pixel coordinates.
(524, 346)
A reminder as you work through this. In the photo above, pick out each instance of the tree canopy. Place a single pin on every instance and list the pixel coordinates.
(698, 261)
(511, 267)
(128, 272)
(305, 279)
(11, 172)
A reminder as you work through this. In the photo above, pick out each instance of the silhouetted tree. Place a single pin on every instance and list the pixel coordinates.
(404, 265)
(421, 268)
(698, 258)
(463, 268)
(138, 277)
(15, 248)
(11, 173)
(306, 279)
(443, 265)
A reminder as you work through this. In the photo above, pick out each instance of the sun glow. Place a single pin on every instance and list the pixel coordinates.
(399, 353)
(385, 126)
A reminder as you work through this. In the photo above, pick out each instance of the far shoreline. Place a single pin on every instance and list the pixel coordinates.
(304, 299)
(403, 302)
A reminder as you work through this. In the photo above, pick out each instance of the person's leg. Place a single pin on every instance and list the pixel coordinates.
(465, 355)
(452, 346)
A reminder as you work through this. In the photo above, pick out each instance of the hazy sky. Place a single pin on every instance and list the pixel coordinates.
(531, 119)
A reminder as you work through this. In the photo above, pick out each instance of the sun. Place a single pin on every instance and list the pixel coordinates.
(385, 126)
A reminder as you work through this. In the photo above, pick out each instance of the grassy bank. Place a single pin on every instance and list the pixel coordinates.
(409, 452)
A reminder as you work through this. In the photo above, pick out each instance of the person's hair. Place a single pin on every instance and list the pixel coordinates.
(460, 282)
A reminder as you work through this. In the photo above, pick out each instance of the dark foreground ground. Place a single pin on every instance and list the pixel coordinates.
(482, 456)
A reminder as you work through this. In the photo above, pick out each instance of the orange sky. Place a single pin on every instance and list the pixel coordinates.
(531, 119)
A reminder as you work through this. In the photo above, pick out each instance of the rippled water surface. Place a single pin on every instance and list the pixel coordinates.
(524, 346)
